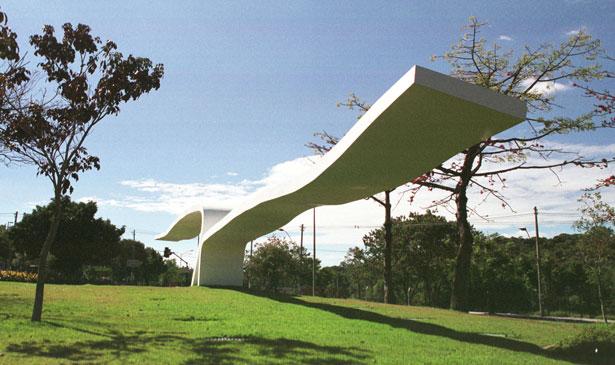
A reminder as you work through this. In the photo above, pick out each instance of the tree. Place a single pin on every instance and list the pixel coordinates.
(501, 274)
(82, 239)
(502, 270)
(531, 77)
(595, 211)
(359, 271)
(135, 263)
(302, 266)
(598, 251)
(424, 249)
(388, 285)
(174, 275)
(604, 107)
(598, 244)
(321, 149)
(564, 272)
(5, 247)
(47, 125)
(333, 282)
(277, 264)
(427, 251)
(154, 266)
(13, 75)
(271, 265)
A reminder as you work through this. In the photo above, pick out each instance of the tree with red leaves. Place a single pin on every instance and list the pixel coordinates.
(533, 76)
(46, 122)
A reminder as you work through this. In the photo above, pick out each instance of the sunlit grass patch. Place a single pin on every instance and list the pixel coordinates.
(122, 324)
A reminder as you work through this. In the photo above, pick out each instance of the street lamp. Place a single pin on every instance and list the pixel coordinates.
(525, 230)
(283, 230)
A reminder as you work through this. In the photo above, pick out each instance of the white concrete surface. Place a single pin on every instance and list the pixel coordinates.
(421, 121)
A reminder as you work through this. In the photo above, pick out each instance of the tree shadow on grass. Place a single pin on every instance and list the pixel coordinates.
(195, 319)
(281, 349)
(113, 345)
(12, 299)
(432, 329)
(8, 303)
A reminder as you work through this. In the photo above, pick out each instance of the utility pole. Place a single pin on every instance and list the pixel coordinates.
(10, 258)
(302, 228)
(540, 309)
(134, 234)
(249, 278)
(314, 252)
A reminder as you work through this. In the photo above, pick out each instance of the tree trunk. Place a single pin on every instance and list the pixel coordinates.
(37, 310)
(461, 278)
(427, 290)
(600, 297)
(389, 295)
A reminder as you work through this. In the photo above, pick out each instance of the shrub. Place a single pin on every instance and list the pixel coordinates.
(595, 344)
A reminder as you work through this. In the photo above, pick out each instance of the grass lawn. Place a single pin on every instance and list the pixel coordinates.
(111, 324)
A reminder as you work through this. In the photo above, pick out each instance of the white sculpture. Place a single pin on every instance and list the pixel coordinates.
(424, 119)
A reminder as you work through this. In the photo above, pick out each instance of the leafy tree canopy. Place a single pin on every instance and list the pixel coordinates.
(83, 239)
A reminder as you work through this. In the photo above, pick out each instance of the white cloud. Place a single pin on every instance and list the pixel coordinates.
(547, 88)
(87, 199)
(231, 173)
(504, 37)
(149, 195)
(577, 31)
(343, 226)
(158, 196)
(33, 204)
(288, 171)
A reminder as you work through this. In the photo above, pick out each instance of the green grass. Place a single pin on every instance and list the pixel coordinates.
(110, 324)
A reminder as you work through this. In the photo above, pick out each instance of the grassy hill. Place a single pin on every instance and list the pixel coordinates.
(110, 324)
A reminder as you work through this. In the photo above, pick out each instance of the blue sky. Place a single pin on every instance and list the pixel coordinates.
(247, 83)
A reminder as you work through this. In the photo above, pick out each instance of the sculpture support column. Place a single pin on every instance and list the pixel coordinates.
(221, 265)
(196, 274)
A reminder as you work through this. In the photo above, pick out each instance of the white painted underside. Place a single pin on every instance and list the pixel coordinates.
(421, 121)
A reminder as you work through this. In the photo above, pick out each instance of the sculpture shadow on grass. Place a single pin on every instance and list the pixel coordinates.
(113, 345)
(431, 329)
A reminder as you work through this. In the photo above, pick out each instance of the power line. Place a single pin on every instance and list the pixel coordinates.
(444, 224)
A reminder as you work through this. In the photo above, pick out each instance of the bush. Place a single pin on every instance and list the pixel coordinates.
(9, 275)
(595, 344)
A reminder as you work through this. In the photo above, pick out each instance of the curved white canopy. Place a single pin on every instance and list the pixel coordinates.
(424, 119)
